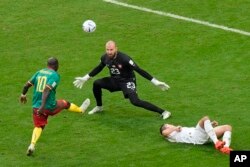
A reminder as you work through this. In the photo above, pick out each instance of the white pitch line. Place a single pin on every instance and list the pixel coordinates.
(179, 17)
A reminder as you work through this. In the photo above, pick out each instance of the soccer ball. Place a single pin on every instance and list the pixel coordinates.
(89, 26)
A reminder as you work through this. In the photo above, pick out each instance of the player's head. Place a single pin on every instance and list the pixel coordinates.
(53, 63)
(162, 128)
(165, 129)
(111, 49)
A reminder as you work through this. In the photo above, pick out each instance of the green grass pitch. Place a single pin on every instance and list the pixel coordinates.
(207, 69)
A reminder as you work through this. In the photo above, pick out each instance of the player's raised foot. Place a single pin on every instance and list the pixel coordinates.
(226, 150)
(95, 110)
(30, 150)
(85, 105)
(219, 144)
(166, 114)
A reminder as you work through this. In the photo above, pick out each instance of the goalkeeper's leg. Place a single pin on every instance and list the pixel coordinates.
(104, 83)
(133, 97)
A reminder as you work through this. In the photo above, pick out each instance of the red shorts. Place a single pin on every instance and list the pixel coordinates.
(42, 120)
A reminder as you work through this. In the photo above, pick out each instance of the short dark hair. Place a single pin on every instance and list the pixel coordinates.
(53, 63)
(162, 128)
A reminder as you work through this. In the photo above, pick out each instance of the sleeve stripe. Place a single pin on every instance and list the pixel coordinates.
(30, 83)
(48, 86)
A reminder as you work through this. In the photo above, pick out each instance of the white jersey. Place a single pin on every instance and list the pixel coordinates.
(193, 135)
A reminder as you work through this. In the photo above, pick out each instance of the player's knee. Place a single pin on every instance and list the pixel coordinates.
(135, 102)
(228, 127)
(97, 83)
(67, 104)
(63, 104)
(205, 118)
(42, 126)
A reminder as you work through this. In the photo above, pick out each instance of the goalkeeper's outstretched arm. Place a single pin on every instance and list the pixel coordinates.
(162, 85)
(96, 70)
(79, 81)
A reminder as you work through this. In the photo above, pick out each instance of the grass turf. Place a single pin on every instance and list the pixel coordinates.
(207, 69)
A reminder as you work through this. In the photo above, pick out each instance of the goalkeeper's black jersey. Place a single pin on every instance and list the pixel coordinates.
(121, 67)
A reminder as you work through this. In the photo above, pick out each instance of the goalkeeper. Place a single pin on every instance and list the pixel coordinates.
(122, 78)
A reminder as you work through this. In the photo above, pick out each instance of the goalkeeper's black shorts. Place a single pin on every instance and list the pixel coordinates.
(127, 86)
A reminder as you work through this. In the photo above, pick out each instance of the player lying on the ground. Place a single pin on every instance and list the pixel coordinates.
(204, 131)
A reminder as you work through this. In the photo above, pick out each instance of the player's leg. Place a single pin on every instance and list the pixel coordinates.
(39, 122)
(129, 91)
(75, 108)
(224, 131)
(63, 104)
(134, 99)
(206, 124)
(104, 83)
(37, 131)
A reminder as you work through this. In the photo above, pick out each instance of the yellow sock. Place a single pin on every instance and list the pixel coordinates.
(36, 134)
(74, 108)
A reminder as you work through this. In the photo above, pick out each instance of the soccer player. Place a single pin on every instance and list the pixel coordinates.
(122, 78)
(205, 131)
(44, 103)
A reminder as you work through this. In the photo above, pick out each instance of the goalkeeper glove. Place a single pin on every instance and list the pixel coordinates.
(79, 81)
(160, 84)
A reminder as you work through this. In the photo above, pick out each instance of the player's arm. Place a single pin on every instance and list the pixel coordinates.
(45, 95)
(214, 123)
(178, 128)
(79, 81)
(97, 69)
(23, 98)
(142, 72)
(171, 129)
(146, 75)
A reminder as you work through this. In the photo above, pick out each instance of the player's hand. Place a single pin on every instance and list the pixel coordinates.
(79, 81)
(23, 99)
(214, 123)
(162, 85)
(178, 128)
(40, 111)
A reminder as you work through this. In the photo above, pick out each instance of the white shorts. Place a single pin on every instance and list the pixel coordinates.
(199, 135)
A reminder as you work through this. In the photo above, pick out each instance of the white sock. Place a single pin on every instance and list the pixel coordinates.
(227, 138)
(210, 131)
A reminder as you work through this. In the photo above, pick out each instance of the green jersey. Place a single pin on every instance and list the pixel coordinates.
(41, 79)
